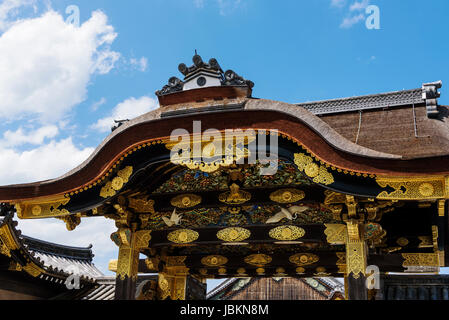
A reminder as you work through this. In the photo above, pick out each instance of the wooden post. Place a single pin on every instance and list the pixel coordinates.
(126, 276)
(356, 251)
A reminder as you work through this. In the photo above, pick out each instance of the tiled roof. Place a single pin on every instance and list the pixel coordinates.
(376, 101)
(71, 260)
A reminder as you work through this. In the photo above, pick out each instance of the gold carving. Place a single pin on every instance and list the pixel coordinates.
(412, 188)
(420, 259)
(260, 271)
(71, 221)
(42, 208)
(235, 234)
(214, 261)
(402, 241)
(235, 195)
(241, 272)
(280, 272)
(222, 271)
(183, 236)
(176, 261)
(287, 195)
(152, 263)
(353, 230)
(186, 201)
(319, 174)
(117, 183)
(304, 259)
(426, 242)
(335, 233)
(300, 270)
(258, 260)
(287, 233)
(441, 206)
(141, 204)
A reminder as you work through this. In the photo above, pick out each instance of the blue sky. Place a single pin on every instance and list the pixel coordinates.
(61, 85)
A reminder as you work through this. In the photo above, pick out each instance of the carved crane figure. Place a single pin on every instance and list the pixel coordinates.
(289, 213)
(174, 220)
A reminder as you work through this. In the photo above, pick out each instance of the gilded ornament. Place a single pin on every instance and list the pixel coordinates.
(425, 242)
(117, 183)
(185, 201)
(260, 271)
(42, 208)
(235, 195)
(222, 271)
(318, 173)
(141, 204)
(335, 233)
(241, 271)
(402, 241)
(356, 258)
(203, 271)
(214, 261)
(258, 260)
(287, 233)
(304, 259)
(71, 221)
(287, 195)
(412, 188)
(280, 272)
(234, 234)
(300, 270)
(183, 236)
(321, 272)
(420, 259)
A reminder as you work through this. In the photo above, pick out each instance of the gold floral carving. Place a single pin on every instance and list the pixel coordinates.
(214, 261)
(335, 233)
(300, 270)
(128, 263)
(287, 195)
(176, 261)
(186, 201)
(411, 188)
(235, 234)
(141, 204)
(111, 187)
(318, 173)
(183, 236)
(222, 271)
(164, 287)
(425, 242)
(420, 259)
(258, 260)
(304, 259)
(287, 233)
(235, 195)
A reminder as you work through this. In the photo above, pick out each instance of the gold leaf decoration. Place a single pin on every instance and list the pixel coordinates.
(141, 204)
(335, 233)
(318, 173)
(214, 261)
(287, 233)
(258, 260)
(304, 259)
(185, 201)
(287, 195)
(412, 188)
(117, 183)
(235, 234)
(402, 241)
(235, 195)
(420, 259)
(183, 236)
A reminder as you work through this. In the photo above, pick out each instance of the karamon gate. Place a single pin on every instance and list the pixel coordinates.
(196, 201)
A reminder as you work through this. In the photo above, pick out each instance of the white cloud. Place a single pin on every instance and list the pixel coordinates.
(46, 64)
(44, 162)
(126, 110)
(349, 22)
(358, 6)
(338, 3)
(95, 231)
(141, 64)
(98, 104)
(9, 10)
(36, 137)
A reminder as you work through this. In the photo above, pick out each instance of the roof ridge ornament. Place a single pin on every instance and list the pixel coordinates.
(430, 94)
(202, 75)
